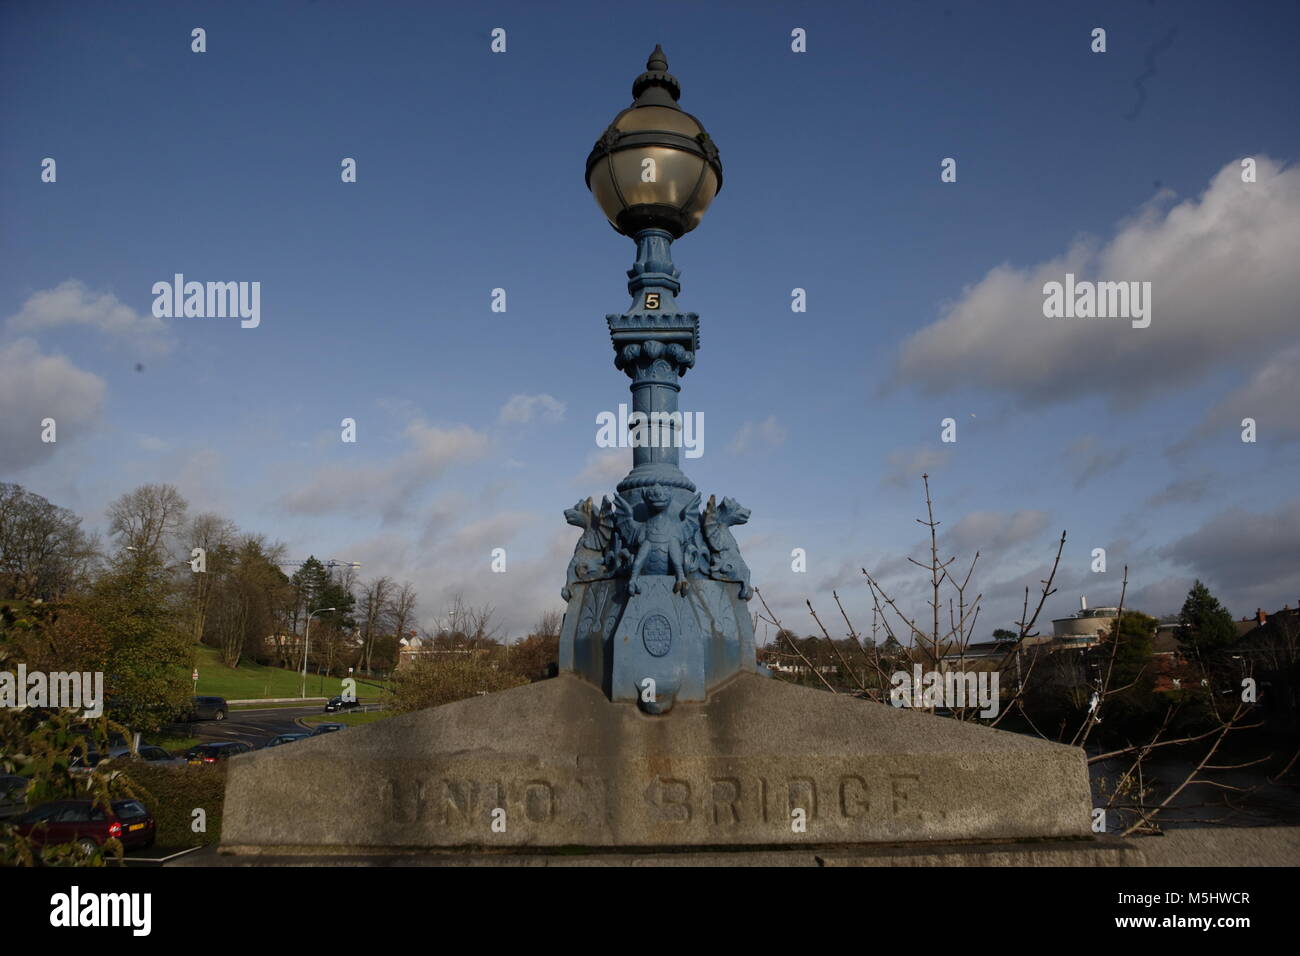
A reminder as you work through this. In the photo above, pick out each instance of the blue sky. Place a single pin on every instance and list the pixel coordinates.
(924, 297)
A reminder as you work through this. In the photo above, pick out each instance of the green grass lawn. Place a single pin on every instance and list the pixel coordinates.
(256, 681)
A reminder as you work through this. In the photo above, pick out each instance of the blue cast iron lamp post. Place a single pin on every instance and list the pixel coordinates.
(656, 589)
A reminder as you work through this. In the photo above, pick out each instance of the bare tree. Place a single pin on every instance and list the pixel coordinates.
(549, 624)
(375, 603)
(230, 618)
(43, 551)
(473, 626)
(401, 613)
(214, 535)
(145, 519)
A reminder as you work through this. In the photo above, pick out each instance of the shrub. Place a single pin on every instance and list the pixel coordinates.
(440, 679)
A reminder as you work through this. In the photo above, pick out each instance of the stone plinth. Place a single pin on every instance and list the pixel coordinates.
(687, 645)
(571, 768)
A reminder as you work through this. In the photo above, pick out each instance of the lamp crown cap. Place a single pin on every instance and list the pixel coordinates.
(656, 86)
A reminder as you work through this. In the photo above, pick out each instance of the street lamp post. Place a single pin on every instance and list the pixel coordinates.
(306, 644)
(657, 586)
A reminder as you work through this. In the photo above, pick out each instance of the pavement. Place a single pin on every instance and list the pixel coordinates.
(1203, 848)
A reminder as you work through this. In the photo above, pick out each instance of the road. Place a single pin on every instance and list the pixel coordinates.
(254, 727)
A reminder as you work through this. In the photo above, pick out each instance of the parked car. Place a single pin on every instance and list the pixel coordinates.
(82, 762)
(207, 708)
(339, 703)
(82, 822)
(328, 729)
(211, 753)
(13, 795)
(159, 756)
(281, 739)
(85, 752)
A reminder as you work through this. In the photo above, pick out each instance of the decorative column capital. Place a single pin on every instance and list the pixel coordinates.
(654, 346)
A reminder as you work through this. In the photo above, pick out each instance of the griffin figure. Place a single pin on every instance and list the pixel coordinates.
(658, 541)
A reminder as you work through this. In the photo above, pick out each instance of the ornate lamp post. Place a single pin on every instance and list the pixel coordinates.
(656, 587)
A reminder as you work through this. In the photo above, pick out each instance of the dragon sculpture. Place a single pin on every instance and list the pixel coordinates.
(664, 543)
(676, 541)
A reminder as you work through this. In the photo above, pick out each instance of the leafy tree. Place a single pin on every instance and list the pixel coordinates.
(249, 594)
(40, 746)
(1131, 707)
(533, 657)
(149, 654)
(1136, 635)
(316, 588)
(53, 636)
(1208, 628)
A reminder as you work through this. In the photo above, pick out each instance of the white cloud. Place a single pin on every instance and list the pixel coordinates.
(1249, 559)
(1087, 458)
(605, 468)
(1271, 397)
(1223, 285)
(71, 304)
(472, 543)
(35, 386)
(389, 487)
(753, 435)
(462, 566)
(907, 465)
(522, 409)
(994, 531)
(1182, 491)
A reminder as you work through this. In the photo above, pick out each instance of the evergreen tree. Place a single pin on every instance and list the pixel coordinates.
(1136, 635)
(1208, 628)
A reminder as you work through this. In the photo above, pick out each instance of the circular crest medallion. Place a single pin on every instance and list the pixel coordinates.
(657, 635)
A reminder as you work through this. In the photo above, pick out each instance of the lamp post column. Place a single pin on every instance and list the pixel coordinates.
(306, 644)
(654, 345)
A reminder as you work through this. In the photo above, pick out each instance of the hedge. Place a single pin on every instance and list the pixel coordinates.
(172, 794)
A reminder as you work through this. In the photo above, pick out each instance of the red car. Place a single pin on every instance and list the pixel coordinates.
(80, 821)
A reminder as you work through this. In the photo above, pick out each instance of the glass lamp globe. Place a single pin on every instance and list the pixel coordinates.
(655, 167)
